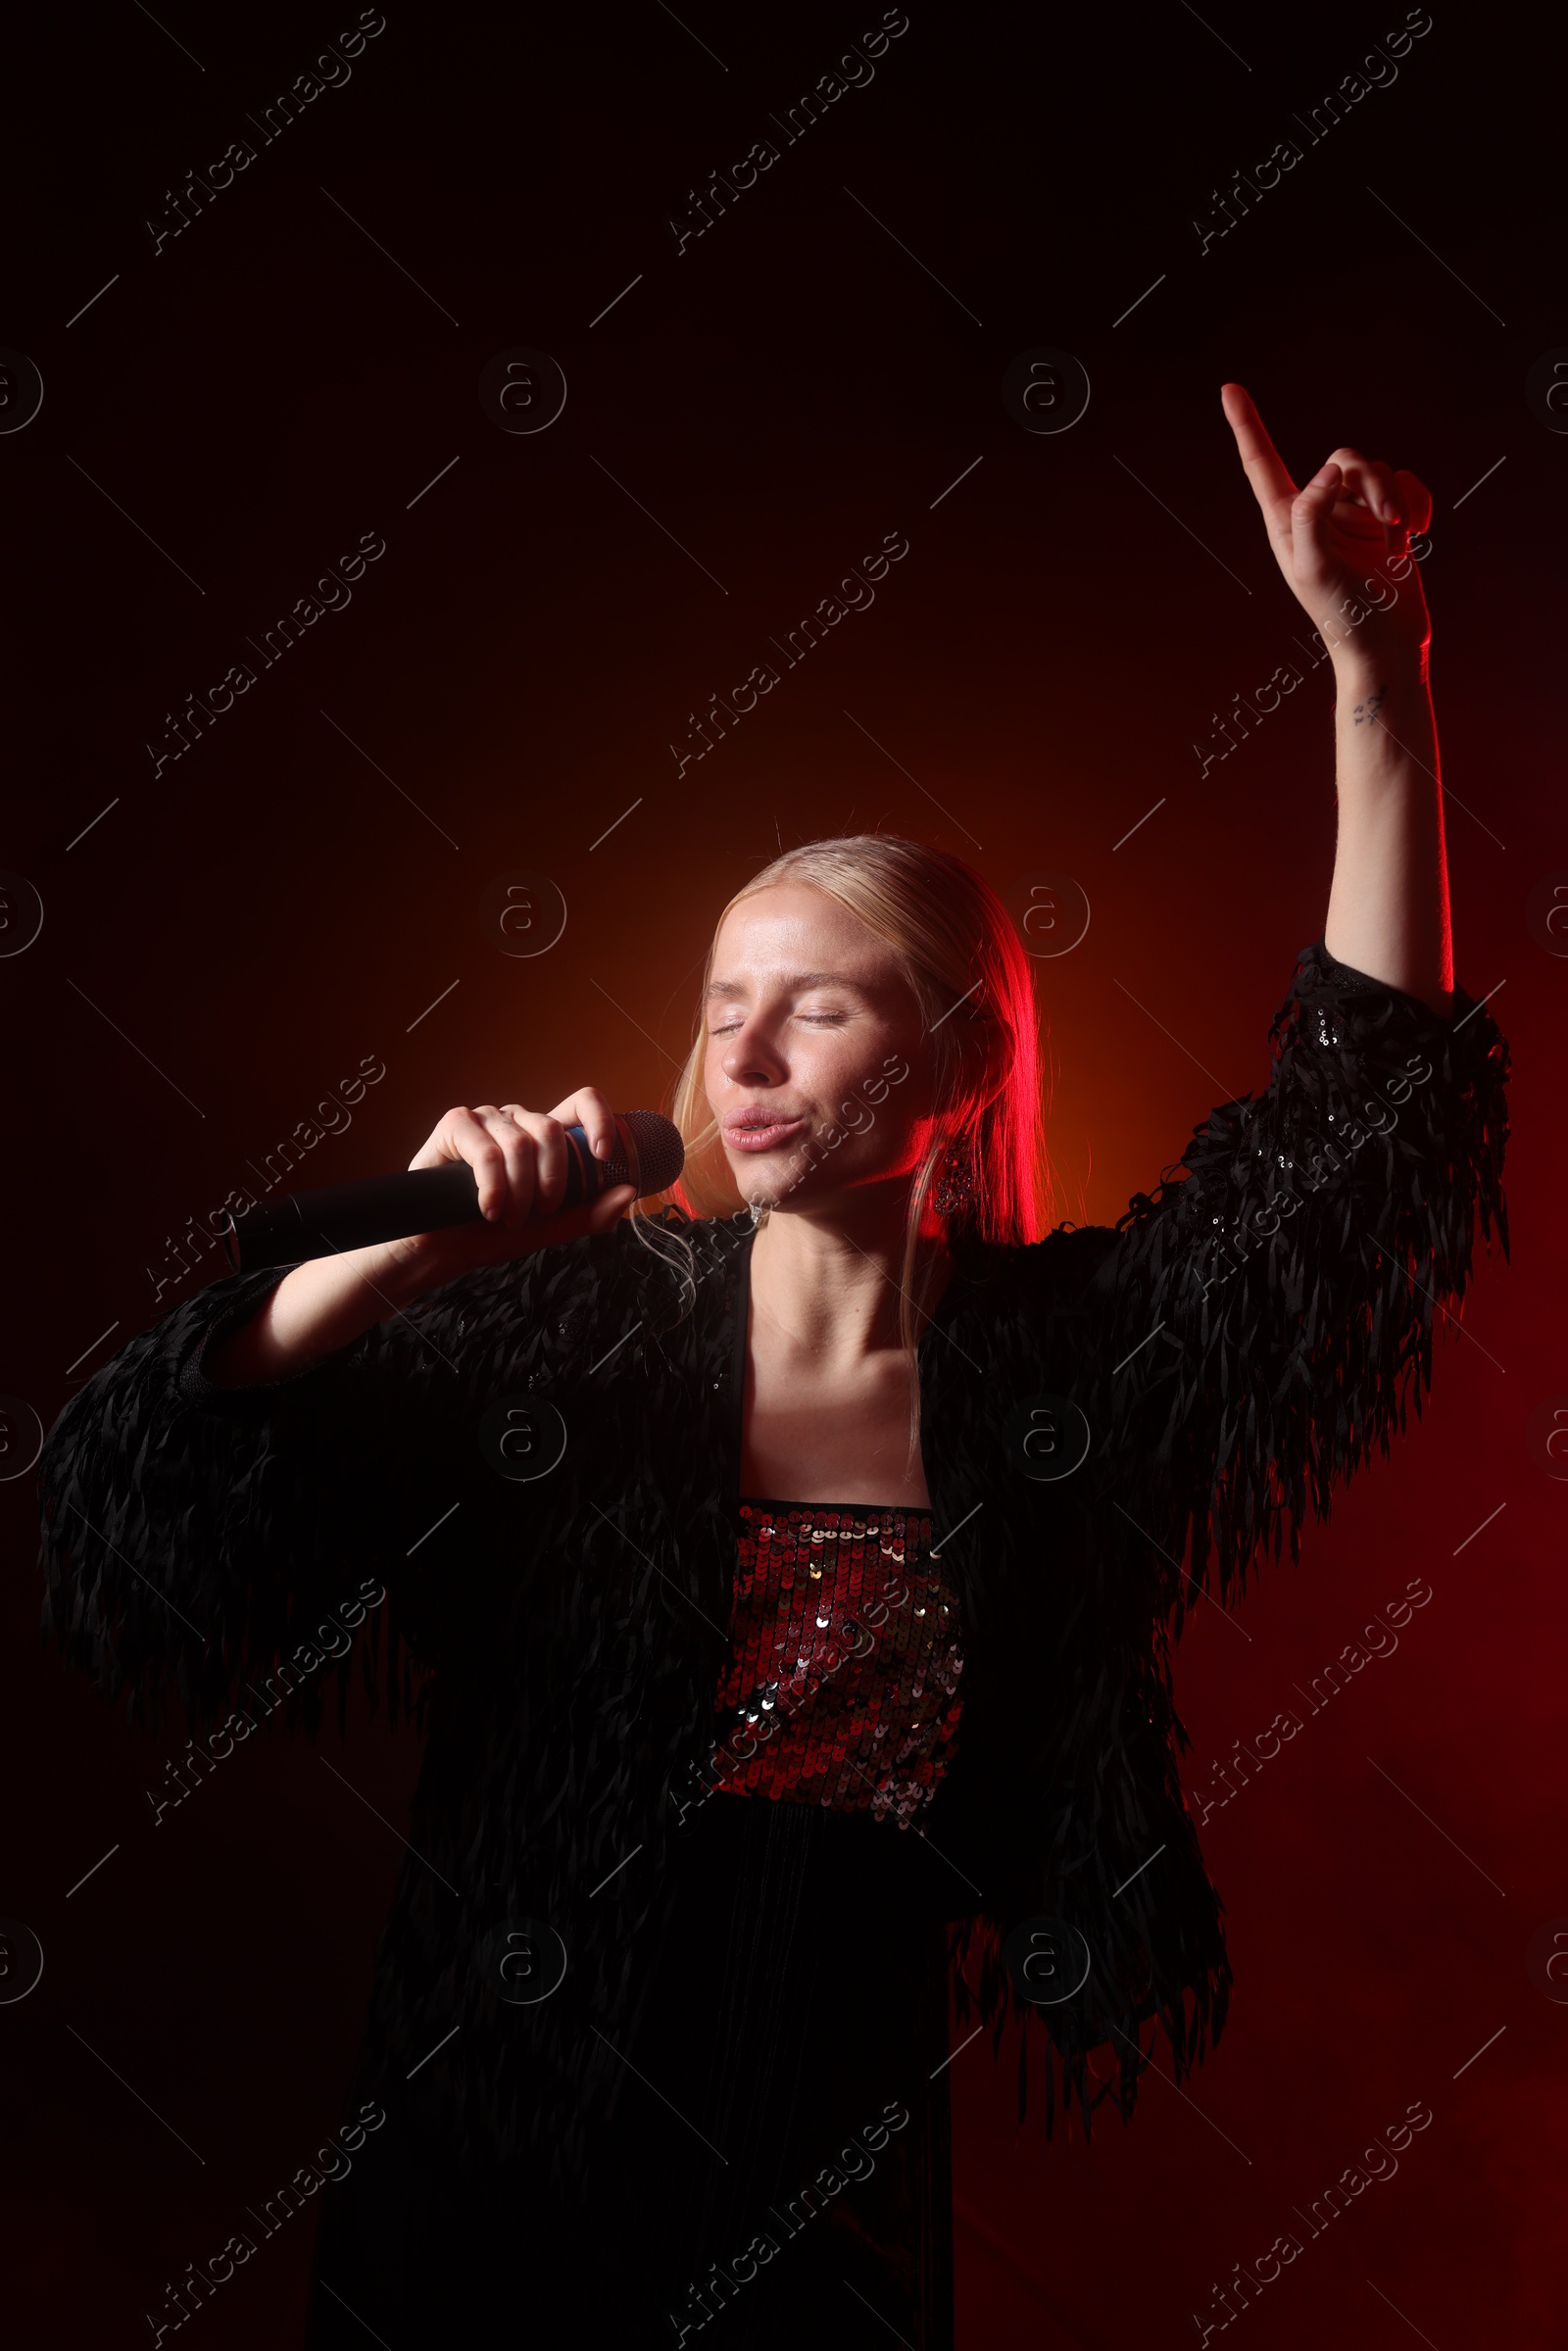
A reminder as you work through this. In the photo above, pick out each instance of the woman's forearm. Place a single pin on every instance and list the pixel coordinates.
(317, 1308)
(1388, 904)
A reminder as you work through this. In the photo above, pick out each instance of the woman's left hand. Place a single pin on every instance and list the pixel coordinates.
(1344, 541)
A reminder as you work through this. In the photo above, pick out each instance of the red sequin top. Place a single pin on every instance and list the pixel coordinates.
(842, 1682)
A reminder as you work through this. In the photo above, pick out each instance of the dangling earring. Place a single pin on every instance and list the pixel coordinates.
(954, 1188)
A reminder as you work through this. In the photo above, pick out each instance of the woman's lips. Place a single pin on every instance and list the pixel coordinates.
(753, 1137)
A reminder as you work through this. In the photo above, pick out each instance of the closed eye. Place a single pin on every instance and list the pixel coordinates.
(815, 1020)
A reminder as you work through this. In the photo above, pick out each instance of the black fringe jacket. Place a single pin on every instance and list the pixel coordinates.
(1244, 1337)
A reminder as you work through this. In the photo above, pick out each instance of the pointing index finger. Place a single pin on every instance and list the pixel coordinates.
(1270, 480)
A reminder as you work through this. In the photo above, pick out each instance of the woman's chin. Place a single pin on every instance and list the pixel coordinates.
(775, 1177)
(759, 1176)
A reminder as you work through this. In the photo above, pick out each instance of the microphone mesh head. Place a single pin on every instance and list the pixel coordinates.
(661, 1153)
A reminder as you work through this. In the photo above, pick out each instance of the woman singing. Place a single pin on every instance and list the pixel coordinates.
(804, 1645)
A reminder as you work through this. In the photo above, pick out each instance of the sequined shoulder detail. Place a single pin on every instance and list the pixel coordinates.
(842, 1676)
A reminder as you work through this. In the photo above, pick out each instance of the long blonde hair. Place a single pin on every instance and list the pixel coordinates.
(972, 980)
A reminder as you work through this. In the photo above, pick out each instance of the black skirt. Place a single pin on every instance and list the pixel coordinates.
(778, 2161)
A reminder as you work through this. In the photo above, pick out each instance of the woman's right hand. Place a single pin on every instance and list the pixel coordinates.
(519, 1159)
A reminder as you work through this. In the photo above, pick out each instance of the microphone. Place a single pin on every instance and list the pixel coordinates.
(649, 1152)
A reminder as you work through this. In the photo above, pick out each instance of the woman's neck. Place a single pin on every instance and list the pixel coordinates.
(831, 1277)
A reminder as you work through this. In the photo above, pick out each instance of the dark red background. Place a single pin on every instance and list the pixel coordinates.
(226, 943)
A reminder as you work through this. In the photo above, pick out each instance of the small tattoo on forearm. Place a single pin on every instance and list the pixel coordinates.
(1366, 712)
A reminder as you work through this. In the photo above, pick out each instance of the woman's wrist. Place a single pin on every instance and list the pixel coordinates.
(1386, 734)
(1363, 673)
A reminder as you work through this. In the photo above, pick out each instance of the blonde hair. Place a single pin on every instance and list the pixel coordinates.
(969, 973)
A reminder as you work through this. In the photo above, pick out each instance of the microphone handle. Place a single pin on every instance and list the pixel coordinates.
(423, 1200)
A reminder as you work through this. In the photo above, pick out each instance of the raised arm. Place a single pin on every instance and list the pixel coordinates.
(1263, 1321)
(1344, 546)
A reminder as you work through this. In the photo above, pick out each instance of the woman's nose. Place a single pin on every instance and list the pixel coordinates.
(750, 1059)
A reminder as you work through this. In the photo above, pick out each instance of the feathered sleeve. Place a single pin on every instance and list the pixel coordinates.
(1260, 1325)
(231, 1546)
